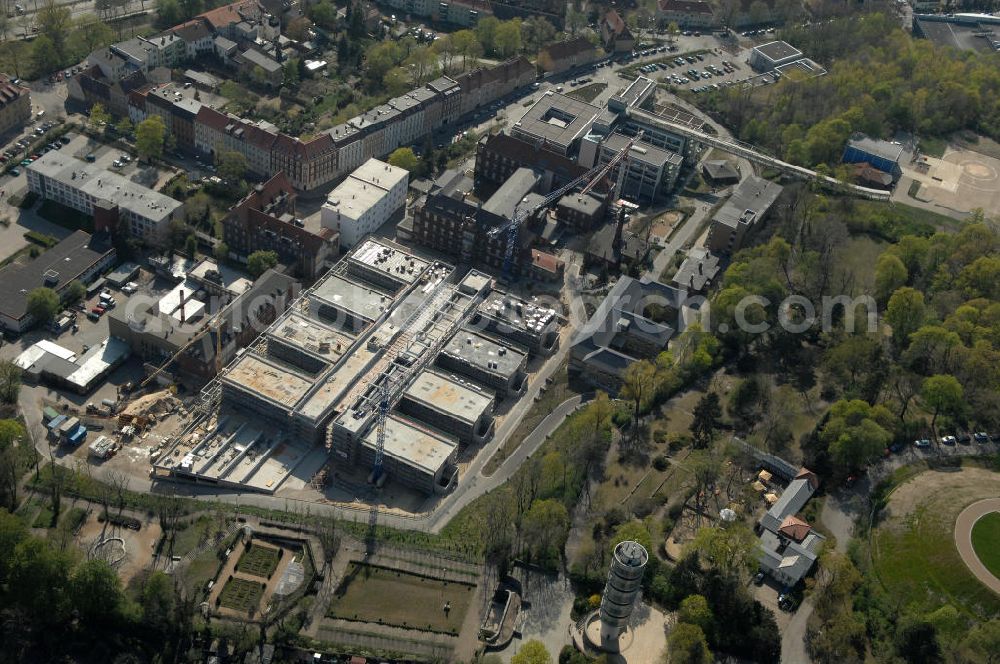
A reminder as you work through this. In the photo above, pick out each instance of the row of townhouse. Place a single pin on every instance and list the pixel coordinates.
(403, 120)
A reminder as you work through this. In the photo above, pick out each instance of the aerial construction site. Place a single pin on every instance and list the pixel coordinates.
(388, 366)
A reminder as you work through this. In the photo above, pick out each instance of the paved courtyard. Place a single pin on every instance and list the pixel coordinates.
(960, 181)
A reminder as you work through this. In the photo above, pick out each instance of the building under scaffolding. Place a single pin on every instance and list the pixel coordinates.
(383, 321)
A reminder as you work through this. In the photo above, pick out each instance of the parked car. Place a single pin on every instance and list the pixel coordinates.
(922, 443)
(93, 316)
(759, 579)
(948, 440)
(98, 310)
(981, 437)
(15, 171)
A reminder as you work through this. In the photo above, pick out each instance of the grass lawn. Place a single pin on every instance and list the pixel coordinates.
(986, 542)
(44, 518)
(913, 550)
(241, 595)
(377, 594)
(588, 92)
(554, 395)
(933, 147)
(258, 560)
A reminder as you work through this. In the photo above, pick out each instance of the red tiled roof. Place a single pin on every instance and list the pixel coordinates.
(569, 48)
(212, 118)
(614, 21)
(794, 528)
(546, 261)
(223, 16)
(195, 29)
(805, 473)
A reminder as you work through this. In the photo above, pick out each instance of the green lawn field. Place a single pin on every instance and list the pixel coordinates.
(986, 542)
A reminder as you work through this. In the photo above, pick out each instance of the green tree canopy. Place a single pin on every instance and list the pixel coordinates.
(532, 652)
(857, 432)
(150, 137)
(695, 610)
(43, 304)
(687, 645)
(10, 381)
(75, 292)
(405, 158)
(260, 262)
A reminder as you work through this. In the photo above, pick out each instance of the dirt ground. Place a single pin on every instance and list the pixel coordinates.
(139, 545)
(959, 487)
(663, 225)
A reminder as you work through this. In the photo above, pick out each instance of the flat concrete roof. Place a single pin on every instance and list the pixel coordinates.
(517, 313)
(260, 376)
(642, 151)
(485, 353)
(778, 50)
(102, 184)
(353, 297)
(389, 258)
(312, 336)
(335, 384)
(413, 445)
(444, 394)
(557, 118)
(365, 187)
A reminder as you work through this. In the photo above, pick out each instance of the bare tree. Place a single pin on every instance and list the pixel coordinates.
(119, 483)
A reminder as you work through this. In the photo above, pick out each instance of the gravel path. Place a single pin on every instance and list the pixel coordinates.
(963, 540)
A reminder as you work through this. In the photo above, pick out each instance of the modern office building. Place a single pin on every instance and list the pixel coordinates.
(771, 55)
(749, 204)
(369, 197)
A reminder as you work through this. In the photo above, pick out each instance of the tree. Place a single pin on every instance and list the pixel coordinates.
(405, 159)
(856, 432)
(890, 275)
(983, 639)
(486, 30)
(91, 33)
(75, 292)
(635, 531)
(98, 116)
(290, 73)
(536, 32)
(221, 251)
(396, 81)
(43, 304)
(731, 550)
(545, 526)
(707, 416)
(298, 29)
(687, 645)
(260, 262)
(465, 44)
(150, 136)
(942, 393)
(637, 387)
(905, 314)
(532, 652)
(695, 610)
(124, 127)
(54, 22)
(95, 591)
(508, 38)
(232, 166)
(191, 245)
(422, 63)
(41, 52)
(10, 381)
(575, 20)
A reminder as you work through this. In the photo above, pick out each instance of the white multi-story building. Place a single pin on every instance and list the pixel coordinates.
(368, 198)
(114, 200)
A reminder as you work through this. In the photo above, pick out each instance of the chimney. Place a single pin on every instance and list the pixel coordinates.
(701, 268)
(182, 305)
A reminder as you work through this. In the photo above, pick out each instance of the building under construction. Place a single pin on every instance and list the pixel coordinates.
(390, 361)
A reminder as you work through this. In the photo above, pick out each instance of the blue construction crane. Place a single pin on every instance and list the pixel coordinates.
(521, 214)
